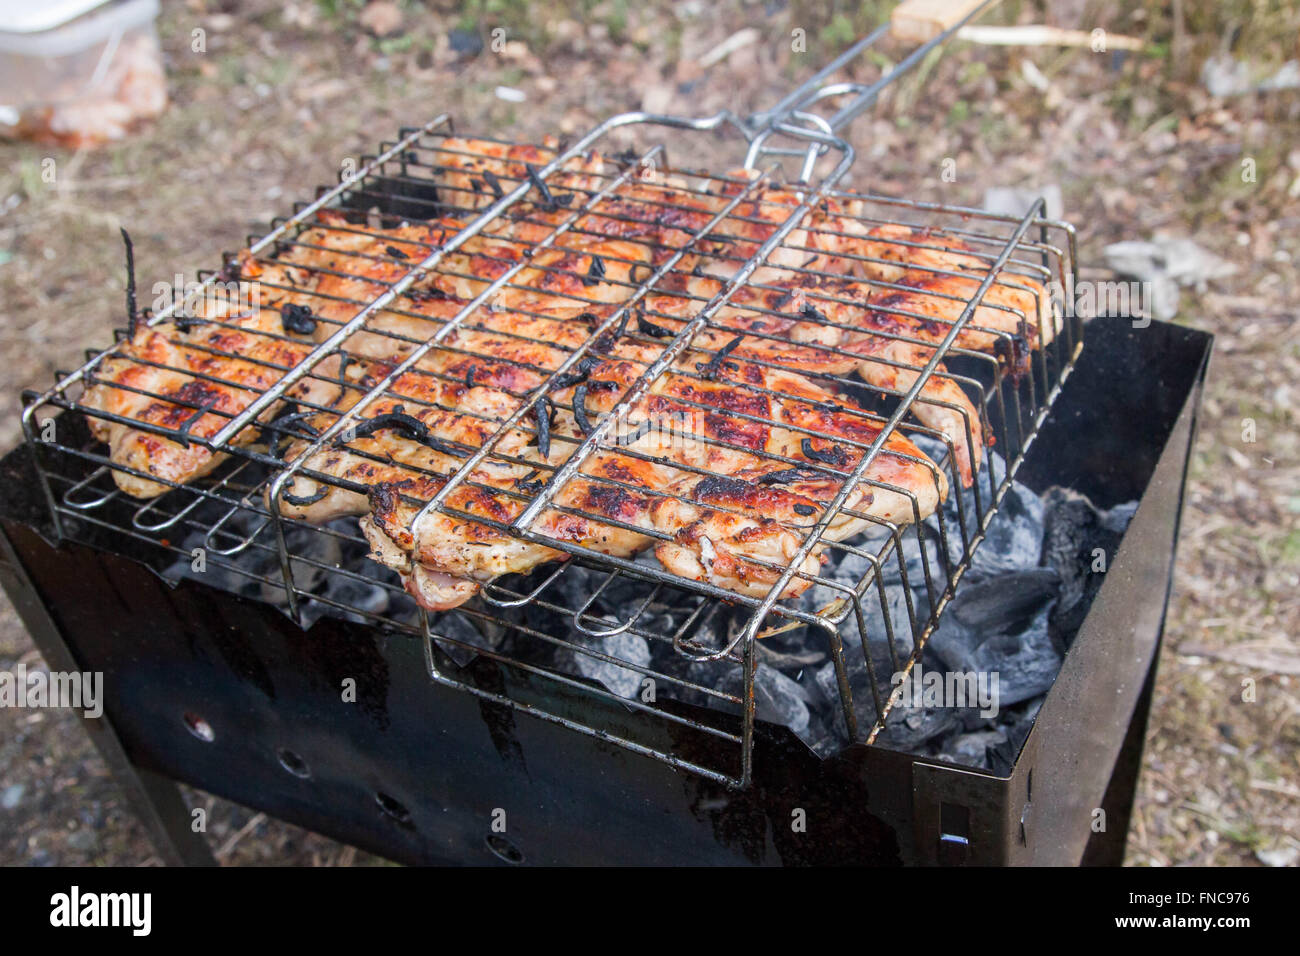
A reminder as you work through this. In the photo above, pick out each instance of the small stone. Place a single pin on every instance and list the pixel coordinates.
(1281, 856)
(1016, 200)
(12, 796)
(465, 42)
(83, 841)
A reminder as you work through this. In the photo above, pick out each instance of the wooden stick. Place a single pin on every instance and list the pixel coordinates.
(918, 21)
(1041, 35)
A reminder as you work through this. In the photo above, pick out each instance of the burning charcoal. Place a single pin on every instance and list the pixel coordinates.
(994, 471)
(825, 682)
(348, 592)
(1076, 534)
(917, 555)
(622, 597)
(899, 617)
(1036, 552)
(1002, 757)
(1015, 536)
(714, 674)
(324, 552)
(621, 680)
(840, 566)
(780, 700)
(908, 728)
(459, 628)
(1026, 663)
(792, 655)
(893, 568)
(974, 721)
(366, 596)
(852, 569)
(826, 734)
(874, 615)
(1005, 603)
(952, 642)
(971, 750)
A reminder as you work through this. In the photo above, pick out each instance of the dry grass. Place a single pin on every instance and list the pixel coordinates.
(285, 93)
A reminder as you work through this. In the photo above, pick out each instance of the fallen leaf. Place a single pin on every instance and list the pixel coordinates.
(381, 18)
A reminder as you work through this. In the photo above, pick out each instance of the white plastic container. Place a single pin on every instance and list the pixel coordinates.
(78, 72)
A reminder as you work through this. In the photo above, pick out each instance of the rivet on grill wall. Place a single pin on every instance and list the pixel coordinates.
(394, 809)
(199, 727)
(503, 849)
(294, 764)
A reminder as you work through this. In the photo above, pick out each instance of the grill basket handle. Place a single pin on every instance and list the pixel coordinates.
(927, 23)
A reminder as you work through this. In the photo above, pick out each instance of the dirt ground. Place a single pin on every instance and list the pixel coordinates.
(284, 93)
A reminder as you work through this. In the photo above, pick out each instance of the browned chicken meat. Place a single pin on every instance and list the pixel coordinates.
(191, 377)
(918, 272)
(720, 472)
(724, 462)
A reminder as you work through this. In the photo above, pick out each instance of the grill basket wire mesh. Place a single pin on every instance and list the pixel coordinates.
(602, 598)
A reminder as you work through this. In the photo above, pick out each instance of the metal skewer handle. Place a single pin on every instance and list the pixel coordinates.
(928, 23)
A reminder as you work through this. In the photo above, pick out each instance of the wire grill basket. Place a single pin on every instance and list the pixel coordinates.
(661, 654)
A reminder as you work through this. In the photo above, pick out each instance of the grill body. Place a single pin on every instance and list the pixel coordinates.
(422, 773)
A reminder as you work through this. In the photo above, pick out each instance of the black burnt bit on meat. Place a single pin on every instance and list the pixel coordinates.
(548, 201)
(411, 427)
(835, 455)
(709, 370)
(646, 327)
(297, 319)
(580, 409)
(578, 373)
(718, 486)
(132, 312)
(543, 410)
(787, 475)
(530, 483)
(494, 184)
(596, 272)
(302, 501)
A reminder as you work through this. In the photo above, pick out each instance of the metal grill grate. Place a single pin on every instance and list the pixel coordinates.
(755, 237)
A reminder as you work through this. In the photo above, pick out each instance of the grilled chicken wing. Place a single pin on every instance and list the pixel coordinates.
(188, 380)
